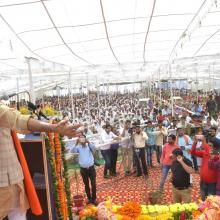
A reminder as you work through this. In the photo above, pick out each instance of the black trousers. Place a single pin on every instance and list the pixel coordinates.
(140, 159)
(113, 159)
(89, 174)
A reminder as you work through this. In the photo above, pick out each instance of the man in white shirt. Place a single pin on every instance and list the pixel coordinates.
(127, 152)
(108, 138)
(140, 138)
(166, 111)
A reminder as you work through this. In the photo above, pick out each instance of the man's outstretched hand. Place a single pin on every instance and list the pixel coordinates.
(65, 128)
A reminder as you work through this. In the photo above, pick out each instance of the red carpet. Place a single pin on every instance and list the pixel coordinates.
(123, 189)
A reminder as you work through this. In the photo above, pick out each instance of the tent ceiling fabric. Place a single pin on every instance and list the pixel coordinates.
(71, 34)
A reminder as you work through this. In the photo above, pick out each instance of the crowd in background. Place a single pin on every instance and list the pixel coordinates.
(185, 137)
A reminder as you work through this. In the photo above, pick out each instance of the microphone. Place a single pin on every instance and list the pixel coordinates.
(6, 97)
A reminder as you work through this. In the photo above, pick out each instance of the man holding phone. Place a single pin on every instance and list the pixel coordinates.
(181, 169)
(208, 177)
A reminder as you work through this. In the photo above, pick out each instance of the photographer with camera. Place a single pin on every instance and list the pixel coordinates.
(207, 176)
(127, 152)
(87, 168)
(140, 138)
(181, 169)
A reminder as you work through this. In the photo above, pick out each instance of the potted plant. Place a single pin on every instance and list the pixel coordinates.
(77, 199)
(154, 196)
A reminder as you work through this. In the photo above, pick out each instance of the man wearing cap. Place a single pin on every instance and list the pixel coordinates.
(181, 169)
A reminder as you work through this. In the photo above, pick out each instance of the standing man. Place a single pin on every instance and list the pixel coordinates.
(87, 166)
(166, 159)
(108, 138)
(166, 111)
(181, 169)
(127, 152)
(150, 142)
(184, 142)
(13, 199)
(196, 108)
(140, 138)
(211, 106)
(208, 177)
(161, 134)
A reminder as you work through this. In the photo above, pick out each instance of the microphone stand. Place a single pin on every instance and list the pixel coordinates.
(17, 94)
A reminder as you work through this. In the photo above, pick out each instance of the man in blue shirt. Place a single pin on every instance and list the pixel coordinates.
(185, 142)
(150, 131)
(87, 168)
(196, 108)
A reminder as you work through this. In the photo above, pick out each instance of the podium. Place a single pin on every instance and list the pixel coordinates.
(34, 149)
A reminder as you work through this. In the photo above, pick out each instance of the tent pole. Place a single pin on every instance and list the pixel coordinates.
(160, 86)
(88, 91)
(171, 90)
(71, 95)
(31, 85)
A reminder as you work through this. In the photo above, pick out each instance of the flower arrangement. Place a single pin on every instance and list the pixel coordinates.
(105, 210)
(49, 111)
(24, 110)
(66, 178)
(60, 183)
(89, 213)
(131, 210)
(209, 209)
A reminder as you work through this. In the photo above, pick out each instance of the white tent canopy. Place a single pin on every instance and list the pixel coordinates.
(108, 41)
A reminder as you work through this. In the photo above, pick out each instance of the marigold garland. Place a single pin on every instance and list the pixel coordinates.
(61, 185)
(130, 210)
(67, 183)
(49, 144)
